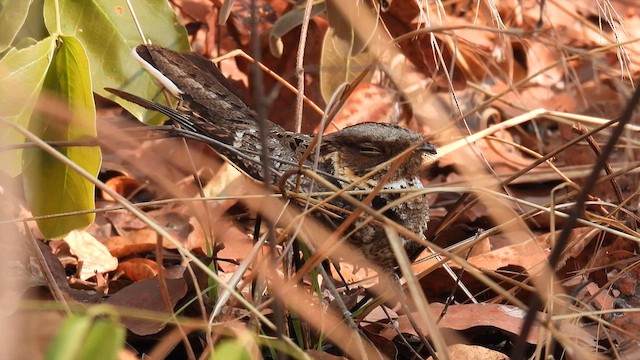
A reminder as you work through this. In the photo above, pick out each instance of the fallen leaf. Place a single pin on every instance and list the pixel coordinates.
(138, 269)
(474, 352)
(94, 255)
(146, 295)
(136, 242)
(461, 317)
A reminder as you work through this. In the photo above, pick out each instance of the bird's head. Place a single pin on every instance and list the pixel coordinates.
(356, 150)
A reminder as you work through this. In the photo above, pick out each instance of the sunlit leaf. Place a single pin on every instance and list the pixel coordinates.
(337, 67)
(107, 30)
(345, 38)
(22, 73)
(104, 341)
(230, 350)
(50, 186)
(83, 337)
(12, 16)
(67, 344)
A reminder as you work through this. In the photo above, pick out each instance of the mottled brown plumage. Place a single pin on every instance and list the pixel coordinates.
(224, 121)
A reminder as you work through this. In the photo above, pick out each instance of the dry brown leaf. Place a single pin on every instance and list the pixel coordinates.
(630, 323)
(528, 254)
(369, 103)
(474, 352)
(461, 317)
(229, 182)
(321, 355)
(236, 246)
(126, 186)
(136, 242)
(138, 269)
(602, 300)
(94, 255)
(146, 295)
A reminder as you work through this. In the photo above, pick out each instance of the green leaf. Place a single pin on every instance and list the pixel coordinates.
(68, 341)
(22, 73)
(104, 341)
(81, 337)
(33, 26)
(230, 350)
(25, 42)
(107, 30)
(50, 186)
(12, 16)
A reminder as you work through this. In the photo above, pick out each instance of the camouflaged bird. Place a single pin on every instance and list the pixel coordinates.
(212, 112)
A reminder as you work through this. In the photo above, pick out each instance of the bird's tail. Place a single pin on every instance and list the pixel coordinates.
(183, 119)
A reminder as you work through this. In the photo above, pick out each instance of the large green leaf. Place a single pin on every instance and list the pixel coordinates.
(230, 350)
(104, 341)
(22, 74)
(108, 33)
(83, 337)
(68, 341)
(33, 29)
(50, 186)
(12, 16)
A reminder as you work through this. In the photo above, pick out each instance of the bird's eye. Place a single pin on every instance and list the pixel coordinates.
(369, 150)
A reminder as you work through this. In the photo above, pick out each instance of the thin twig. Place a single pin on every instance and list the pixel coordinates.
(300, 64)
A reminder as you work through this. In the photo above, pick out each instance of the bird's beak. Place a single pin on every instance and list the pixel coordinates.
(428, 152)
(427, 148)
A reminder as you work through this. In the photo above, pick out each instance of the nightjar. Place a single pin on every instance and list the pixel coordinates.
(212, 113)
